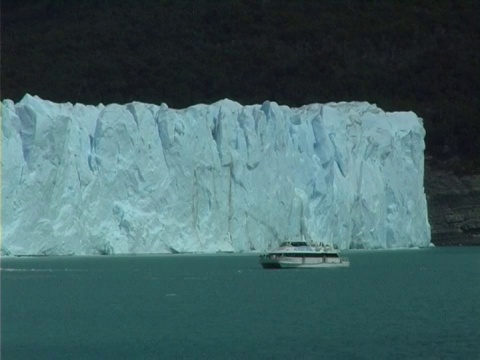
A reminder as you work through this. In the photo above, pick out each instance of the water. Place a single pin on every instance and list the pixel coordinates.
(422, 304)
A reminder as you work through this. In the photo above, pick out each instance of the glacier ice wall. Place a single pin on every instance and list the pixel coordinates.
(142, 178)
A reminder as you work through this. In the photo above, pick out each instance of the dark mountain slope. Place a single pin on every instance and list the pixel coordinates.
(411, 55)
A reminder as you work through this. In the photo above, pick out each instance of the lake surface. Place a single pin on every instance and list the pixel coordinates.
(403, 304)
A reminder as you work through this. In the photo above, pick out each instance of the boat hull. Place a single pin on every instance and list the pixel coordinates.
(303, 262)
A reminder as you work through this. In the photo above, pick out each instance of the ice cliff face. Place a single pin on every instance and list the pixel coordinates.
(141, 178)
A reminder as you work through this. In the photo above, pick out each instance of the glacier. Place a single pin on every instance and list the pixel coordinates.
(143, 178)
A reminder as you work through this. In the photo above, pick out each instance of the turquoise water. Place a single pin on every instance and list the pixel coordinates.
(422, 304)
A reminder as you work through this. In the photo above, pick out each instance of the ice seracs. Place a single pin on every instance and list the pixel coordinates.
(143, 178)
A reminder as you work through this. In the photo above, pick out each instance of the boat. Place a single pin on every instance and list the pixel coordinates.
(299, 254)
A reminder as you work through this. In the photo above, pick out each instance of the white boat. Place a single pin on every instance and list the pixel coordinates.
(298, 254)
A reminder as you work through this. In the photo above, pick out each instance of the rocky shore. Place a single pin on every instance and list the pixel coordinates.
(453, 205)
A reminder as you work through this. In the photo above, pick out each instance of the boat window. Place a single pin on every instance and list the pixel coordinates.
(299, 243)
(307, 254)
(294, 243)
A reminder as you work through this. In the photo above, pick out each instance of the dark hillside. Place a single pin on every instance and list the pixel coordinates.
(410, 55)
